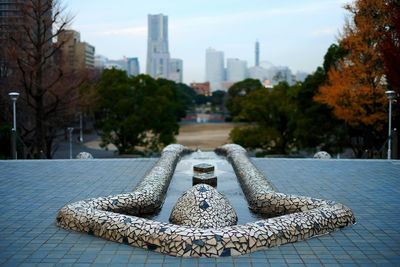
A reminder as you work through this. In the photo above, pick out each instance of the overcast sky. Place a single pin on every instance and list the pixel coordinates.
(294, 33)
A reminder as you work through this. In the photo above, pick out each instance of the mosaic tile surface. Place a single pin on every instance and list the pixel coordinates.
(202, 206)
(298, 217)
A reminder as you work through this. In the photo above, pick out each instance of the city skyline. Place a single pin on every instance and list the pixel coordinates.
(291, 34)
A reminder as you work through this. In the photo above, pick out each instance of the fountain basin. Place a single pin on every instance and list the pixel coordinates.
(297, 218)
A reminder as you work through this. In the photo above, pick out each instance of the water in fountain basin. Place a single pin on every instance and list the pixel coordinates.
(227, 184)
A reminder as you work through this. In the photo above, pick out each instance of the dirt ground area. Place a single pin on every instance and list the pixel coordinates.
(205, 136)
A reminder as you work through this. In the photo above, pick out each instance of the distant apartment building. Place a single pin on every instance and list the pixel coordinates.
(85, 55)
(215, 72)
(201, 88)
(100, 62)
(236, 70)
(132, 66)
(76, 55)
(158, 57)
(282, 74)
(128, 64)
(176, 70)
(258, 73)
(119, 64)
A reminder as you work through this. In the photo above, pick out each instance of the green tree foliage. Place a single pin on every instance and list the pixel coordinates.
(138, 111)
(286, 119)
(237, 93)
(218, 98)
(186, 95)
(272, 115)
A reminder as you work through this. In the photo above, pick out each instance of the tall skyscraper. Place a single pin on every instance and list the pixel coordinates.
(215, 72)
(158, 58)
(257, 54)
(176, 70)
(236, 70)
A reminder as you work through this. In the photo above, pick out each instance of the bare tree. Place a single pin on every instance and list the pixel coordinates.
(49, 94)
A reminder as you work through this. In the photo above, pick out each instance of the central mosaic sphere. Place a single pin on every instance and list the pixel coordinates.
(203, 206)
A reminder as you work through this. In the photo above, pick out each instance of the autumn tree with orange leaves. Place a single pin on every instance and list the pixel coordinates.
(355, 88)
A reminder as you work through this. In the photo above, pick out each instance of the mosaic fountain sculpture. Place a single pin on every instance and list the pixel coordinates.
(291, 218)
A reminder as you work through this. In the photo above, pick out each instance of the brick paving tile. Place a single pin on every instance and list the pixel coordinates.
(33, 191)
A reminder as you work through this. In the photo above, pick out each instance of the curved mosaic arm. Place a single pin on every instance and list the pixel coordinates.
(195, 242)
(260, 194)
(309, 217)
(149, 195)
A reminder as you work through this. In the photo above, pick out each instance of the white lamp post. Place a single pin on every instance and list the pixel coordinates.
(80, 128)
(14, 97)
(390, 95)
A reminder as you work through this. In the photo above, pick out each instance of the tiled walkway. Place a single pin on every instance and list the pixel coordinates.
(31, 192)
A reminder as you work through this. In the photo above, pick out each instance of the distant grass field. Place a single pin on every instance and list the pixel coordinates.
(206, 136)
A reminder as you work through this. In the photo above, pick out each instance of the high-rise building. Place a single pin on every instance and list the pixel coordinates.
(215, 72)
(236, 70)
(8, 16)
(132, 66)
(85, 55)
(176, 70)
(76, 55)
(257, 54)
(158, 58)
(19, 21)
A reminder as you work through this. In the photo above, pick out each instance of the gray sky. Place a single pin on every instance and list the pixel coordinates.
(291, 33)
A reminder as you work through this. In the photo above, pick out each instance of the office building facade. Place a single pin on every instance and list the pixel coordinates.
(75, 55)
(215, 71)
(132, 66)
(236, 70)
(176, 70)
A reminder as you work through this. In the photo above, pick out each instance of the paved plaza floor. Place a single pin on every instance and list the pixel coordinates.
(31, 192)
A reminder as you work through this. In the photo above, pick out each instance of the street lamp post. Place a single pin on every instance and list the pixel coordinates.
(14, 97)
(80, 127)
(70, 130)
(390, 95)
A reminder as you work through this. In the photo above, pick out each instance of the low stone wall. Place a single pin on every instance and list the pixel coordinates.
(101, 216)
